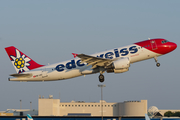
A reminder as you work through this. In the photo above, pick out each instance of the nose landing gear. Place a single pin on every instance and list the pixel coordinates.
(157, 64)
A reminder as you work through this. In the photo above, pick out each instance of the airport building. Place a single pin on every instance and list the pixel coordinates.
(53, 107)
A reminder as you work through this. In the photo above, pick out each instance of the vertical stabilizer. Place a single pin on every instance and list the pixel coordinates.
(20, 61)
(29, 117)
(147, 117)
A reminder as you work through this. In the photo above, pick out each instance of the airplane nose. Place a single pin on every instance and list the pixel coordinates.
(168, 47)
(173, 46)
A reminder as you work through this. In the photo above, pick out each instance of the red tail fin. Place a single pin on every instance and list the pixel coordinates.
(20, 61)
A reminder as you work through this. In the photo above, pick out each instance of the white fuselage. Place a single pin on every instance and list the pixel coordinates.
(74, 67)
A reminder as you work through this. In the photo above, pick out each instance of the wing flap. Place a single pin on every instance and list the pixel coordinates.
(94, 61)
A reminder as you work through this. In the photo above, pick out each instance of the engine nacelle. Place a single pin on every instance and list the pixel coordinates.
(121, 70)
(121, 63)
(117, 70)
(119, 66)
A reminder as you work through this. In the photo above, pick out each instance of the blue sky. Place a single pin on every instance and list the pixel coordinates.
(49, 31)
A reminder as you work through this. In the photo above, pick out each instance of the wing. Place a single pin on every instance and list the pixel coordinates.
(95, 61)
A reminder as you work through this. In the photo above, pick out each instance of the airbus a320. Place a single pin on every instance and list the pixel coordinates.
(117, 60)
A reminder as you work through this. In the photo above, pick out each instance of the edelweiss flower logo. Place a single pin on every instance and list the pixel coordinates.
(20, 62)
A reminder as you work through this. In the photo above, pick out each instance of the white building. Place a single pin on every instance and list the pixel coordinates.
(53, 107)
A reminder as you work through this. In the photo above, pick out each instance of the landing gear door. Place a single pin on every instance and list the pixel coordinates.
(154, 45)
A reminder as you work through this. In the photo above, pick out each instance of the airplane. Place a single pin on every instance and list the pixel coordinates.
(29, 117)
(117, 60)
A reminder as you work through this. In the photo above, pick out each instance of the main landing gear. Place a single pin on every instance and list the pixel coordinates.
(101, 78)
(157, 64)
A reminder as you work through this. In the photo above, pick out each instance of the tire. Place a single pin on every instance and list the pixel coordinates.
(158, 64)
(101, 78)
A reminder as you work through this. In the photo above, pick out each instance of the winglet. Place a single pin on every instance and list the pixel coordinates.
(74, 54)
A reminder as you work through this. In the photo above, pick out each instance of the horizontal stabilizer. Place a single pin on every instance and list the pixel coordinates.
(29, 117)
(21, 75)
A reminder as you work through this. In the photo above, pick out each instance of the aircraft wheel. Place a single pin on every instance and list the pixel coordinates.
(157, 64)
(101, 78)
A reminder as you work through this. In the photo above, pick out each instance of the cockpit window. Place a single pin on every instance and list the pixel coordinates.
(164, 41)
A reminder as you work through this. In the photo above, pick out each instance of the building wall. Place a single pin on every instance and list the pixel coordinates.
(48, 107)
(53, 107)
(133, 108)
(93, 108)
(6, 114)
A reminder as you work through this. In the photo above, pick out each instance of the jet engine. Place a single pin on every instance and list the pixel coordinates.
(119, 66)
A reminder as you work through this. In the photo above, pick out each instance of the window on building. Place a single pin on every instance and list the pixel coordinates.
(69, 105)
(88, 105)
(79, 105)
